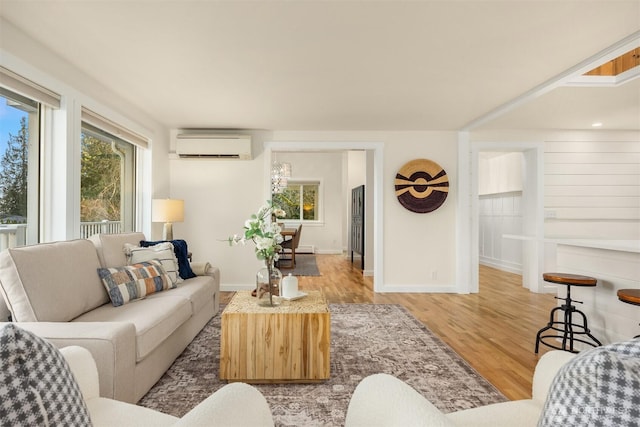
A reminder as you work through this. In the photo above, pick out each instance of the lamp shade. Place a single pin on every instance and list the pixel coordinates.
(167, 210)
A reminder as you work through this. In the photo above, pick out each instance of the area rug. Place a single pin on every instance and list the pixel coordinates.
(365, 339)
(305, 266)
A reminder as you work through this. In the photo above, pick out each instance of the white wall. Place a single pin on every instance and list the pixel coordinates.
(500, 214)
(220, 195)
(327, 234)
(592, 186)
(500, 210)
(591, 181)
(417, 247)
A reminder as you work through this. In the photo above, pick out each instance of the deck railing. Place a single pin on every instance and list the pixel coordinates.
(90, 228)
(13, 235)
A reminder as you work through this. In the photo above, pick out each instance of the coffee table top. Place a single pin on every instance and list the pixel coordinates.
(243, 302)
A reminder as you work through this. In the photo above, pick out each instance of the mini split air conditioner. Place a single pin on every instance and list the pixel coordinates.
(213, 146)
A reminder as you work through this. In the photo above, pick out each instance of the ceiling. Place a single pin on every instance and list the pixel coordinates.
(342, 65)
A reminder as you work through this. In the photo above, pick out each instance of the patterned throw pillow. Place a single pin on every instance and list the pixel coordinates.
(599, 387)
(132, 282)
(37, 388)
(162, 252)
(182, 253)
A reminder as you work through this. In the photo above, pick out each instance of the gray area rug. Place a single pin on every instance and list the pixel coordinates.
(365, 339)
(305, 266)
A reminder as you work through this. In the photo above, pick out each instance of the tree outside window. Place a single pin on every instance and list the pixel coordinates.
(19, 169)
(107, 184)
(299, 200)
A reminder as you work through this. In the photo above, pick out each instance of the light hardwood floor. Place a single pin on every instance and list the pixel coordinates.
(494, 330)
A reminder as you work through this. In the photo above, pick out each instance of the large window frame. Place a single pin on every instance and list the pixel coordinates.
(29, 232)
(128, 154)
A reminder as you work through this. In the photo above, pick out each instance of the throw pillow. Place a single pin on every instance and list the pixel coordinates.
(37, 387)
(599, 387)
(182, 253)
(163, 252)
(132, 282)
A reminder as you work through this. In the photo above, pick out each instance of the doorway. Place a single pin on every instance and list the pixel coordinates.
(374, 175)
(532, 204)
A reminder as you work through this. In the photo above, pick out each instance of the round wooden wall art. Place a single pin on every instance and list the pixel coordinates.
(422, 186)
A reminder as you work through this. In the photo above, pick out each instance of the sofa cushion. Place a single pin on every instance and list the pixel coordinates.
(51, 282)
(155, 319)
(162, 252)
(132, 282)
(110, 247)
(600, 386)
(199, 291)
(182, 254)
(36, 384)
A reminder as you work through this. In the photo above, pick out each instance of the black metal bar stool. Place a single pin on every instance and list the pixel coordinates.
(566, 326)
(630, 296)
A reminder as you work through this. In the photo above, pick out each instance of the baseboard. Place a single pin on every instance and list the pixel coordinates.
(419, 289)
(328, 251)
(233, 288)
(306, 249)
(501, 265)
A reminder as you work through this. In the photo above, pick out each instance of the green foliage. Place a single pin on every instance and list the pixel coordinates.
(13, 174)
(289, 199)
(100, 184)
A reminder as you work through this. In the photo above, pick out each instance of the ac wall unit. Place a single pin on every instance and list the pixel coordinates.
(213, 146)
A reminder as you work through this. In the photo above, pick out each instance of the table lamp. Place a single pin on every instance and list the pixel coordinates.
(167, 211)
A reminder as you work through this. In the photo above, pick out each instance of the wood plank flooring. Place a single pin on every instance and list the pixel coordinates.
(494, 330)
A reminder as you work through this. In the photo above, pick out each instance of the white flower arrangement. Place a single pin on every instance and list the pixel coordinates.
(265, 235)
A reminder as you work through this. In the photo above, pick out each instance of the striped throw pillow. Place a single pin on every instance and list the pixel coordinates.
(132, 282)
(163, 252)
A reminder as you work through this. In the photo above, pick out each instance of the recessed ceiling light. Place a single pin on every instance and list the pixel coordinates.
(596, 124)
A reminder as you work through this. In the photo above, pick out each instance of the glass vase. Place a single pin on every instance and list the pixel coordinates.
(268, 280)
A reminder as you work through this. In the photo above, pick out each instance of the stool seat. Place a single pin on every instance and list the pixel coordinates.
(571, 330)
(569, 279)
(630, 296)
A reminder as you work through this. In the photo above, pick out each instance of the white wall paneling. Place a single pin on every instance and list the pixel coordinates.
(500, 214)
(592, 187)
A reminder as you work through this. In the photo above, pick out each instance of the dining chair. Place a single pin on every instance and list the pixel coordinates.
(289, 247)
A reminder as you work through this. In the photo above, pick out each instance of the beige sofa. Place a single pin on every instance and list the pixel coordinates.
(53, 290)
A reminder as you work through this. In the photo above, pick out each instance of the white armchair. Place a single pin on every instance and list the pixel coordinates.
(383, 400)
(235, 404)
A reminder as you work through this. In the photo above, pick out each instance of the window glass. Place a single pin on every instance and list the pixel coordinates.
(107, 184)
(299, 200)
(19, 169)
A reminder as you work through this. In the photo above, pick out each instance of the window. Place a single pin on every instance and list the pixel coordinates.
(19, 169)
(299, 200)
(107, 183)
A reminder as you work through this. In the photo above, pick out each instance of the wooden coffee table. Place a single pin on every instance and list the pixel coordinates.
(288, 343)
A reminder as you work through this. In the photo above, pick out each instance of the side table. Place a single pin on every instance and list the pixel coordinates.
(287, 343)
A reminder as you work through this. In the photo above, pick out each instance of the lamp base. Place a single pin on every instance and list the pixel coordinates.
(167, 231)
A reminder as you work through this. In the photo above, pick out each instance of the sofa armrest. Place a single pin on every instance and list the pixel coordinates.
(384, 400)
(84, 370)
(205, 269)
(112, 345)
(546, 370)
(235, 404)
